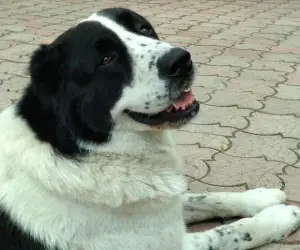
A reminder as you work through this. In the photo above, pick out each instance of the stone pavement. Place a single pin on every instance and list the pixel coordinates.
(248, 58)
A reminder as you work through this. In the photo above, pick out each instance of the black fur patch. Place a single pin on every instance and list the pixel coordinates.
(247, 237)
(71, 94)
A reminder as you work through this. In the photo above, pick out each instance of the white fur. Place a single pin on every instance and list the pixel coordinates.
(95, 203)
(127, 194)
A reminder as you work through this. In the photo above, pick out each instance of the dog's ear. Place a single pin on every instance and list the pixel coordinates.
(45, 68)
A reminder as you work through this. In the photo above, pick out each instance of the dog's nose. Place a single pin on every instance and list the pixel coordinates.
(175, 63)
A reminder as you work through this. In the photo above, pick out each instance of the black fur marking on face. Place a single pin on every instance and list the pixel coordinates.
(71, 93)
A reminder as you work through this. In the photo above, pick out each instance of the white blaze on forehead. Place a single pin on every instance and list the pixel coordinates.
(144, 52)
(129, 38)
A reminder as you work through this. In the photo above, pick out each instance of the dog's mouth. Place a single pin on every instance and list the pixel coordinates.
(182, 110)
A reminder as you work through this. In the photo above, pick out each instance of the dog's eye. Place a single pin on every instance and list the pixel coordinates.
(146, 30)
(107, 60)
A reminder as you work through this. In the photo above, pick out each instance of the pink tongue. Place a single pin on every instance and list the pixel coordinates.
(184, 100)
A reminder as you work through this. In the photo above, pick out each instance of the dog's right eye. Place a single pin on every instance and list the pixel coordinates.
(107, 60)
(145, 30)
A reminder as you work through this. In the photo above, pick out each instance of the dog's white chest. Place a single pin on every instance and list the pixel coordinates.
(160, 227)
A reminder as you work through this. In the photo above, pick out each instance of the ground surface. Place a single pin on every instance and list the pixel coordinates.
(248, 58)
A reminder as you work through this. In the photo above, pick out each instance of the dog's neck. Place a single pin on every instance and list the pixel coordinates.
(134, 142)
(45, 188)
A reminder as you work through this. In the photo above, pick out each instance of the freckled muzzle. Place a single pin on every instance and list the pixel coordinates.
(176, 67)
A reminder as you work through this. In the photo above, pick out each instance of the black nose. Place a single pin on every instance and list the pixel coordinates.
(175, 63)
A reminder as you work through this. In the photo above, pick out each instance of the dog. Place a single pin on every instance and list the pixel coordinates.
(87, 157)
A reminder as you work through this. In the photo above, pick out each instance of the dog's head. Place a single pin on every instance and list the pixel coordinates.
(111, 70)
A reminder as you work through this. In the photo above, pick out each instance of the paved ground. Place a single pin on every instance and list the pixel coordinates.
(248, 56)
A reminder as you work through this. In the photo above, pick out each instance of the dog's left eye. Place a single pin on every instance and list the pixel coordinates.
(107, 60)
(145, 30)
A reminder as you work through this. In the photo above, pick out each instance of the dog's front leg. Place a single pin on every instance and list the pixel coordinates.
(270, 225)
(197, 207)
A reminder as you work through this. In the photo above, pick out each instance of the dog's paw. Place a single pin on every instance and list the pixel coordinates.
(255, 200)
(278, 221)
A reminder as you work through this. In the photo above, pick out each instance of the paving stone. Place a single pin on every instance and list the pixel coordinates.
(242, 53)
(22, 37)
(225, 71)
(284, 57)
(277, 29)
(288, 92)
(240, 99)
(226, 170)
(202, 94)
(215, 129)
(217, 142)
(255, 145)
(253, 46)
(202, 187)
(275, 37)
(265, 75)
(254, 86)
(13, 68)
(281, 106)
(224, 60)
(225, 116)
(211, 82)
(294, 78)
(292, 184)
(287, 125)
(216, 42)
(228, 37)
(276, 66)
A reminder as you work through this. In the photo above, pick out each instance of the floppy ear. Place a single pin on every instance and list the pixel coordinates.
(45, 69)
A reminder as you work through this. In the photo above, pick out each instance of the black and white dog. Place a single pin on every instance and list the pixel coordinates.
(87, 161)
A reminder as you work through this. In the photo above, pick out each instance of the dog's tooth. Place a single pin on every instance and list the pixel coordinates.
(169, 109)
(174, 105)
(187, 90)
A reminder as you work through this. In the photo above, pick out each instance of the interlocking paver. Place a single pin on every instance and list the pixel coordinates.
(230, 60)
(265, 75)
(247, 55)
(284, 57)
(206, 140)
(287, 125)
(276, 66)
(211, 82)
(242, 53)
(281, 106)
(210, 70)
(281, 150)
(288, 92)
(225, 116)
(291, 180)
(253, 86)
(234, 98)
(226, 170)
